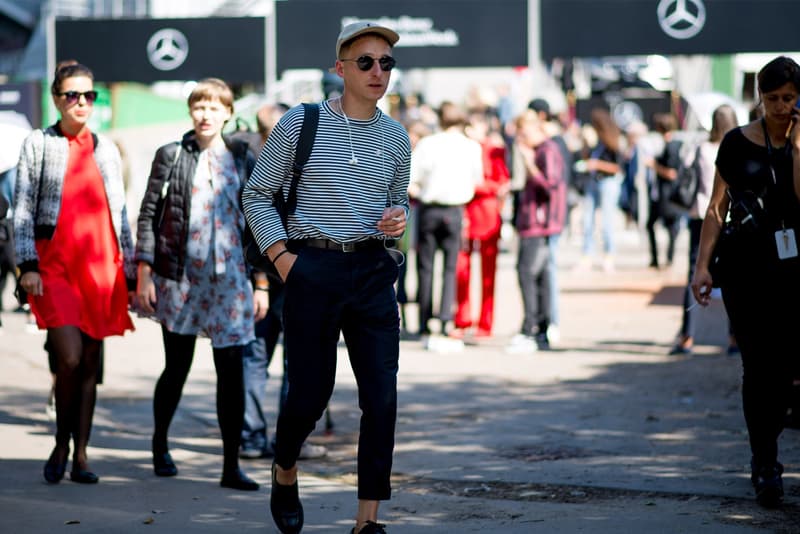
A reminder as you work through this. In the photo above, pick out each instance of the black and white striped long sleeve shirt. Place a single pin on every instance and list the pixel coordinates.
(337, 198)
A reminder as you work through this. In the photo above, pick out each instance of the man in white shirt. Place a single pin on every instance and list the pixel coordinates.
(445, 168)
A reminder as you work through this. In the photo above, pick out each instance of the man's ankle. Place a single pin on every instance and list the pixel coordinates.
(285, 477)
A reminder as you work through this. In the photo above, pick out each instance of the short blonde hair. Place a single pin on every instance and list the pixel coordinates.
(212, 89)
(526, 118)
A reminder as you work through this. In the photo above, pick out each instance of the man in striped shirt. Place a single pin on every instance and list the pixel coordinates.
(352, 202)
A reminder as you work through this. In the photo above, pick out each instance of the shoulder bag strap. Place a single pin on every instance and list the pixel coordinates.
(304, 145)
(165, 187)
(159, 211)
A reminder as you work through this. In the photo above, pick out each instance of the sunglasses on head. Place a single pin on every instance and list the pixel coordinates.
(365, 63)
(73, 96)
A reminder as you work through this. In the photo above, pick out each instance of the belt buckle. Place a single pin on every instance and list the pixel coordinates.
(349, 247)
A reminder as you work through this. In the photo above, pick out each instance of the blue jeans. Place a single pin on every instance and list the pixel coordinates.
(257, 357)
(605, 194)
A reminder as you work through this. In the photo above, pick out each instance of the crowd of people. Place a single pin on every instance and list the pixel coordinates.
(377, 184)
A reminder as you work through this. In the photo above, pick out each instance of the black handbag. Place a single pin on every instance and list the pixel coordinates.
(718, 262)
(684, 191)
(285, 207)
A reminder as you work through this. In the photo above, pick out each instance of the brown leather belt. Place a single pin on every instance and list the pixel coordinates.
(352, 246)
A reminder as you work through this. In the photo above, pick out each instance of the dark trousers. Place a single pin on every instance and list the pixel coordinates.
(766, 335)
(671, 222)
(328, 292)
(439, 228)
(690, 315)
(534, 283)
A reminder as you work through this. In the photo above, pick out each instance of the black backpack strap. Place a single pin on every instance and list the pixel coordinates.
(304, 145)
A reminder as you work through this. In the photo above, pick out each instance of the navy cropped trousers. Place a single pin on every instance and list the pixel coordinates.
(329, 292)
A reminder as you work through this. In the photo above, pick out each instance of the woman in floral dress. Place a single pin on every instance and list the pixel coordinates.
(192, 277)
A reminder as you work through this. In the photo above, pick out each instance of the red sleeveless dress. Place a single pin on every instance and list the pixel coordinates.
(81, 265)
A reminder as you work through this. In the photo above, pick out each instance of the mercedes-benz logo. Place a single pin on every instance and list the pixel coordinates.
(167, 49)
(681, 19)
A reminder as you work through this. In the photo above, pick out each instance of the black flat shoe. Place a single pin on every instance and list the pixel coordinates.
(54, 472)
(238, 481)
(284, 503)
(768, 484)
(370, 528)
(679, 350)
(83, 477)
(163, 466)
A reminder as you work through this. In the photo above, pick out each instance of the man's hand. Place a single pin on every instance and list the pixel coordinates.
(393, 222)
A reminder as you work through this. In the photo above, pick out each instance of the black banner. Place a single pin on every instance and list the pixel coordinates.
(584, 28)
(151, 50)
(24, 98)
(443, 33)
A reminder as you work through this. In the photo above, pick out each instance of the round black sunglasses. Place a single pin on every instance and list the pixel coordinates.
(365, 63)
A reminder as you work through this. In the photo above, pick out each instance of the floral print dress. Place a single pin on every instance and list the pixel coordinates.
(213, 298)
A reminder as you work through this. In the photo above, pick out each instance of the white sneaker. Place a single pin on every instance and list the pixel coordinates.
(522, 344)
(553, 334)
(310, 451)
(444, 344)
(608, 264)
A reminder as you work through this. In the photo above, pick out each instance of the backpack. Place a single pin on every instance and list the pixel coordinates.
(684, 191)
(305, 143)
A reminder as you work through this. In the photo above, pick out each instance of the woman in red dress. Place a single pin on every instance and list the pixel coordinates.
(481, 229)
(72, 237)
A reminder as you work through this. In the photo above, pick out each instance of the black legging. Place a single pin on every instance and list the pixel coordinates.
(77, 358)
(179, 352)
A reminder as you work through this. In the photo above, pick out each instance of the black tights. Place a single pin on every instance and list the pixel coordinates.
(77, 359)
(179, 352)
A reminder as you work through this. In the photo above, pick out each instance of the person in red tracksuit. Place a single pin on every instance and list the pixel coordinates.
(481, 230)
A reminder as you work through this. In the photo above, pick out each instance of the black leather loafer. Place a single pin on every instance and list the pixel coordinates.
(238, 481)
(768, 483)
(83, 477)
(284, 503)
(163, 466)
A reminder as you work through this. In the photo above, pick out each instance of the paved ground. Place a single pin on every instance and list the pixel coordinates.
(603, 434)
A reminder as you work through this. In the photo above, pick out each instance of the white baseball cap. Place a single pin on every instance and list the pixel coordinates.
(355, 29)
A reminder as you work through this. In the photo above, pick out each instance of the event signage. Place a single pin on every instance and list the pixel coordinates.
(452, 33)
(593, 28)
(151, 50)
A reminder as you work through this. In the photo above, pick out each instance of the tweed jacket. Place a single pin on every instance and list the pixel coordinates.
(162, 244)
(44, 156)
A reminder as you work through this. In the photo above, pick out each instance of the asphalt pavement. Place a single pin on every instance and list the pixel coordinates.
(604, 433)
